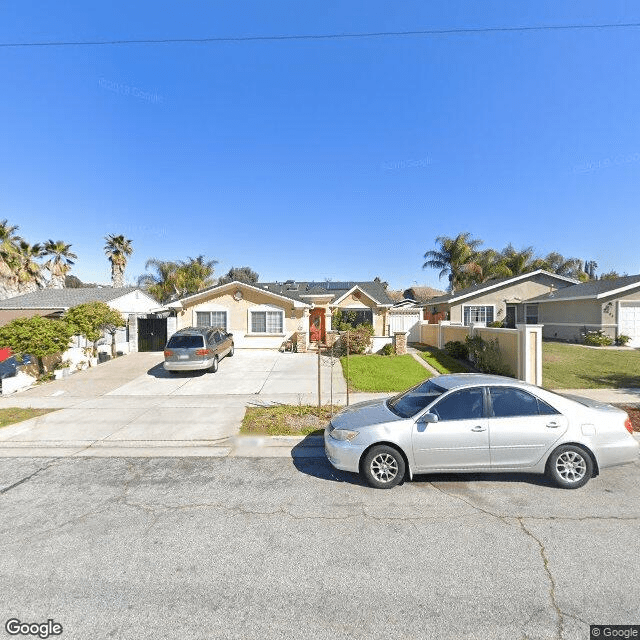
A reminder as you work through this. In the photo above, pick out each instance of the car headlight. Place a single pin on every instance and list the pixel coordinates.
(343, 434)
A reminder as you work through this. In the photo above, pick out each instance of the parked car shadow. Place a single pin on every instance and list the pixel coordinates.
(308, 458)
(158, 371)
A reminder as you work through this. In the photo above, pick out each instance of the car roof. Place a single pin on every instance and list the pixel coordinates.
(192, 331)
(456, 380)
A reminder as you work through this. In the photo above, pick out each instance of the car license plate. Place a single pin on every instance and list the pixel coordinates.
(185, 357)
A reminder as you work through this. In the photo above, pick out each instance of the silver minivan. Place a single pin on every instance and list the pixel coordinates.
(197, 349)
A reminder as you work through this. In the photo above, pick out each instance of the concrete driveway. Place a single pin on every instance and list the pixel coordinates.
(131, 406)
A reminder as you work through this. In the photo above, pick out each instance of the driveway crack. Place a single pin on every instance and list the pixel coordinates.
(552, 582)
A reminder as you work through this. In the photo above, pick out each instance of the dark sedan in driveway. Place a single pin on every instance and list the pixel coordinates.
(475, 422)
(197, 349)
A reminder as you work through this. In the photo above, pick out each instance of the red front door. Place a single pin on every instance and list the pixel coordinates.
(316, 325)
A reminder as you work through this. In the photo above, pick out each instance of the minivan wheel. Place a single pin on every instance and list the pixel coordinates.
(214, 366)
(570, 467)
(231, 350)
(383, 467)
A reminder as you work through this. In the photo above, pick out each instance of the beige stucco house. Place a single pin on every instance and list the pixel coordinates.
(264, 315)
(507, 300)
(612, 306)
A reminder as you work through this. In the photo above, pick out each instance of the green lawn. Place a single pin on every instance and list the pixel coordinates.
(11, 415)
(573, 366)
(441, 361)
(383, 373)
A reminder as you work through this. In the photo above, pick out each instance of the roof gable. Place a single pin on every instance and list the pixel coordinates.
(593, 290)
(67, 298)
(497, 283)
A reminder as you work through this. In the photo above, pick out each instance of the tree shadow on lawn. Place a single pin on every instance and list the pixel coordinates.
(158, 371)
(620, 380)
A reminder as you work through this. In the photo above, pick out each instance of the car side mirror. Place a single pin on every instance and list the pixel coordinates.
(429, 418)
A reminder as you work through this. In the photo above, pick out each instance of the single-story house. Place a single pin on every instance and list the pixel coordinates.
(266, 314)
(507, 300)
(132, 302)
(612, 306)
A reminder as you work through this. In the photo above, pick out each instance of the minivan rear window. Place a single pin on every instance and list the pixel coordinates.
(186, 342)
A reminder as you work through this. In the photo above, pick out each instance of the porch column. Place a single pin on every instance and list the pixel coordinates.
(530, 353)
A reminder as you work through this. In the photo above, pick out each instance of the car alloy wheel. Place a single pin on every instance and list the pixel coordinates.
(383, 467)
(214, 366)
(570, 466)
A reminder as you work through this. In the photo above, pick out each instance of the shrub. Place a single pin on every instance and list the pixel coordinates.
(486, 356)
(457, 349)
(357, 340)
(36, 336)
(622, 340)
(597, 338)
(496, 324)
(387, 350)
(92, 319)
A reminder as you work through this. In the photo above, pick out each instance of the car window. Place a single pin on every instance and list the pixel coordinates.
(507, 402)
(410, 402)
(217, 336)
(546, 409)
(466, 404)
(185, 342)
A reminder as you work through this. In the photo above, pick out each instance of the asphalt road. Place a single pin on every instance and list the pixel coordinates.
(278, 548)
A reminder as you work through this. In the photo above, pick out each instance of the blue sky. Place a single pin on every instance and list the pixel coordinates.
(314, 159)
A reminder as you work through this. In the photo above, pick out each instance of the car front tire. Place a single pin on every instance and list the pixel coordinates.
(570, 467)
(383, 467)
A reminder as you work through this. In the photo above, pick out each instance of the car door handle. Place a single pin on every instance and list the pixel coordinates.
(478, 429)
(553, 424)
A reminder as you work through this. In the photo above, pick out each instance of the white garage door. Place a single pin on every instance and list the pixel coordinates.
(629, 324)
(406, 321)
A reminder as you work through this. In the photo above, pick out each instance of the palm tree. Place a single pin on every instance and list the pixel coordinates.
(161, 284)
(195, 274)
(59, 263)
(519, 262)
(177, 279)
(455, 259)
(118, 249)
(28, 271)
(9, 262)
(491, 265)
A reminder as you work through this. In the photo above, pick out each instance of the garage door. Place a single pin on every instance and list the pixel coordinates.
(629, 324)
(406, 321)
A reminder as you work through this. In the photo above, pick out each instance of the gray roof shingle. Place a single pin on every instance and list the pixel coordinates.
(64, 298)
(590, 289)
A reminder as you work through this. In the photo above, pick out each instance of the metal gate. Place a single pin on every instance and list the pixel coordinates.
(152, 334)
(406, 320)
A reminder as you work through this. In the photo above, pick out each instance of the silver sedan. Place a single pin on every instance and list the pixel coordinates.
(475, 422)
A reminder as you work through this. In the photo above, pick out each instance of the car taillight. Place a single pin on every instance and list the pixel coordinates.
(628, 425)
(167, 353)
(203, 352)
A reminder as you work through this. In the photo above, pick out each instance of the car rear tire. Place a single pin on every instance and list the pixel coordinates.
(214, 366)
(231, 351)
(383, 467)
(570, 467)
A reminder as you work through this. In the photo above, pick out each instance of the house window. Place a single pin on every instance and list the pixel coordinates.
(475, 314)
(532, 314)
(267, 321)
(211, 319)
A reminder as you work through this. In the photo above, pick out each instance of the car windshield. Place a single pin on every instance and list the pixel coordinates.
(186, 342)
(408, 403)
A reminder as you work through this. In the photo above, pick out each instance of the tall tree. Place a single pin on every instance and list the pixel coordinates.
(117, 249)
(28, 270)
(240, 274)
(60, 261)
(9, 241)
(455, 259)
(489, 264)
(169, 280)
(519, 262)
(568, 267)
